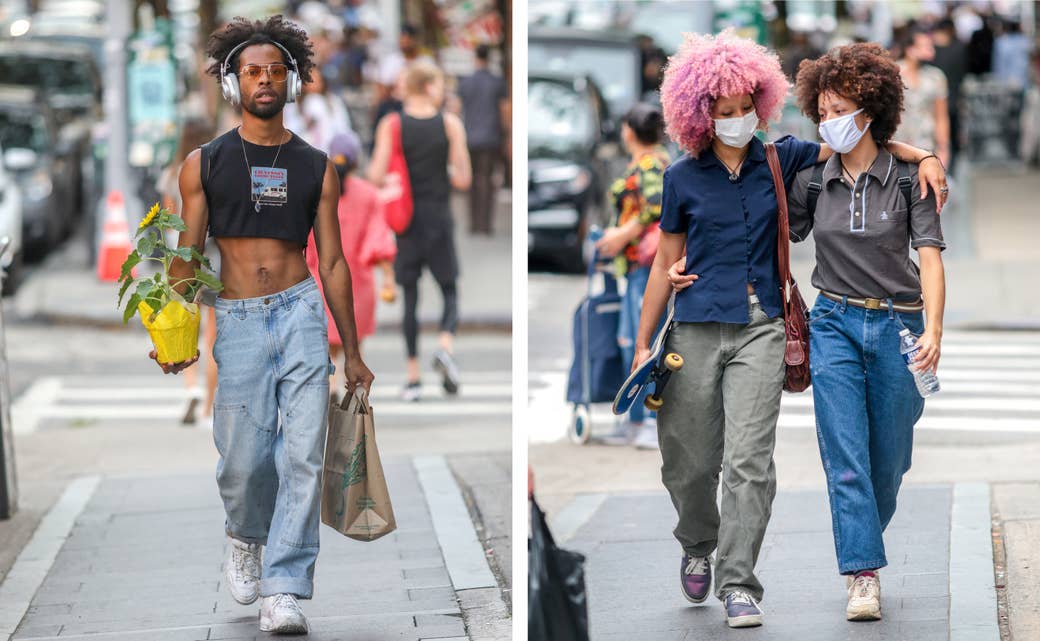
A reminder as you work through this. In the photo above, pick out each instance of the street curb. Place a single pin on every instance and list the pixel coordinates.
(38, 556)
(463, 552)
(973, 597)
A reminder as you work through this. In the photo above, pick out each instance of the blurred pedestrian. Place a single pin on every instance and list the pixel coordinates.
(866, 400)
(980, 47)
(652, 59)
(391, 68)
(484, 109)
(319, 115)
(719, 205)
(951, 56)
(271, 351)
(1011, 51)
(367, 243)
(632, 238)
(194, 133)
(434, 145)
(926, 117)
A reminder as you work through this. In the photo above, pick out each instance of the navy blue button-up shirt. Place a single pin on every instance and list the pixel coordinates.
(730, 229)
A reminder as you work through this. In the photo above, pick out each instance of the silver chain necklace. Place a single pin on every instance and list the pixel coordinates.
(249, 167)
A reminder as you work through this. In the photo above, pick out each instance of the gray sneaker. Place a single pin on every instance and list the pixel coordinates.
(445, 364)
(742, 611)
(281, 614)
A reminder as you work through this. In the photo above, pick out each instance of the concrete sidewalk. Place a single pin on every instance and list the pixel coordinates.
(633, 565)
(144, 560)
(64, 288)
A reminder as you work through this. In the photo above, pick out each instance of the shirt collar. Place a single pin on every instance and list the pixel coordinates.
(756, 152)
(881, 169)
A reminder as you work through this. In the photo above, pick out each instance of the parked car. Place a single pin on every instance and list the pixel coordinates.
(568, 133)
(611, 59)
(12, 258)
(67, 75)
(44, 167)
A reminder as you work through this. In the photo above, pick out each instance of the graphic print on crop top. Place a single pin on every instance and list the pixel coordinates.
(270, 186)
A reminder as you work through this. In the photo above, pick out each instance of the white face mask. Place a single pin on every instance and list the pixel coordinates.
(842, 134)
(737, 132)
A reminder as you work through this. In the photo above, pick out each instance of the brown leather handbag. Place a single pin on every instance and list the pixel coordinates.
(796, 314)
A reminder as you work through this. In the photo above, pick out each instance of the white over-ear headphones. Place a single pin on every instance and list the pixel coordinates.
(229, 81)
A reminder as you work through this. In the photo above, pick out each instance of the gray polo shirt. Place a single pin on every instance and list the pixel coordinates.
(864, 231)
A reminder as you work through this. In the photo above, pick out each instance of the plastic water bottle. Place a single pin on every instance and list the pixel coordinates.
(926, 381)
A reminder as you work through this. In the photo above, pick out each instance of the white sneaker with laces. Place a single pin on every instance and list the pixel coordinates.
(242, 571)
(281, 614)
(864, 599)
(646, 439)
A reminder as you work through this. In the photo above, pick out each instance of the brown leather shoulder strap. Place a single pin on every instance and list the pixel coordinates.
(783, 239)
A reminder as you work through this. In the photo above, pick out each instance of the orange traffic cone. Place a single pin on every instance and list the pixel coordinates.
(115, 239)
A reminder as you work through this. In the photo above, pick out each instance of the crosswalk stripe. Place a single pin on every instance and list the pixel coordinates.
(483, 394)
(990, 383)
(152, 394)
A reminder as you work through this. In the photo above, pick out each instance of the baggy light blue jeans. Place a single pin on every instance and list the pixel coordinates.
(866, 406)
(269, 422)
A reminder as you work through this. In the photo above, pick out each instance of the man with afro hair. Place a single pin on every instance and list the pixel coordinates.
(258, 190)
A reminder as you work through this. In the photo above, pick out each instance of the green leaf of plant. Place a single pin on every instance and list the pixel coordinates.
(184, 253)
(131, 308)
(122, 290)
(175, 222)
(209, 280)
(128, 265)
(199, 256)
(146, 245)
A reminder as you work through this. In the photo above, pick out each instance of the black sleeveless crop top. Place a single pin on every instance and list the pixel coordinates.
(287, 191)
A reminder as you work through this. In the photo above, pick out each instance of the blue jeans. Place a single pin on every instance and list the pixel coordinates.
(628, 327)
(866, 407)
(269, 421)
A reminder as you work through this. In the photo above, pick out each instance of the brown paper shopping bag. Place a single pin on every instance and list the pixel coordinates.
(354, 496)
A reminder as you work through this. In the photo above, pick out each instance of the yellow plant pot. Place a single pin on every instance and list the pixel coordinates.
(174, 331)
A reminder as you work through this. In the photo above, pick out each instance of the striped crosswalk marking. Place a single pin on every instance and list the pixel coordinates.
(990, 383)
(94, 399)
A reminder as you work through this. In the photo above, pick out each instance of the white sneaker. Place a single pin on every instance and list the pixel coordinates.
(647, 437)
(623, 433)
(412, 392)
(864, 599)
(281, 614)
(242, 571)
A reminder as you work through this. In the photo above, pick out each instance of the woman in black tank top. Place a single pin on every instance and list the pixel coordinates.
(434, 146)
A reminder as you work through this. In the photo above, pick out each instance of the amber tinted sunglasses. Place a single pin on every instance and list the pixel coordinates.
(276, 71)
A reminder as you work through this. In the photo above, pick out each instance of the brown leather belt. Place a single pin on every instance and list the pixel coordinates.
(875, 303)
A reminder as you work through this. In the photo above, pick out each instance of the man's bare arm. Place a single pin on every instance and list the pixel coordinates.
(459, 170)
(335, 279)
(195, 214)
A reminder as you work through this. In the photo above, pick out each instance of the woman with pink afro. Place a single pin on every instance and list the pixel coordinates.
(719, 208)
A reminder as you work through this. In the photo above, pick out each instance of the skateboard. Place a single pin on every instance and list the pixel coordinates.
(657, 369)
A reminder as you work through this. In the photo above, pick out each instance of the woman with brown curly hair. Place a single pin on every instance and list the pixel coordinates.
(867, 215)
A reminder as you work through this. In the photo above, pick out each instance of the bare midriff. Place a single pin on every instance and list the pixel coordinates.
(750, 289)
(251, 267)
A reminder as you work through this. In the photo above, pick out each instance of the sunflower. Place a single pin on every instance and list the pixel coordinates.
(152, 213)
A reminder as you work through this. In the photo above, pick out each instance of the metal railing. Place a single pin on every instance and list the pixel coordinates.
(8, 483)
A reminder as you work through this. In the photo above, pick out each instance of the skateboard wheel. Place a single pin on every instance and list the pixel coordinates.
(581, 426)
(653, 403)
(673, 361)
